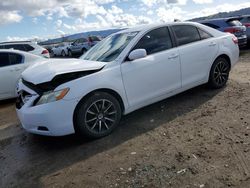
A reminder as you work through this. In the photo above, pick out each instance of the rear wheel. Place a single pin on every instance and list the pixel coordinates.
(98, 115)
(63, 53)
(219, 73)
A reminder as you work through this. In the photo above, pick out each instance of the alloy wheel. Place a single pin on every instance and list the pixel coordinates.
(221, 72)
(100, 116)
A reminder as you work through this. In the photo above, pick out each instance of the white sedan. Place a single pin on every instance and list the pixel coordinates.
(12, 64)
(61, 50)
(126, 71)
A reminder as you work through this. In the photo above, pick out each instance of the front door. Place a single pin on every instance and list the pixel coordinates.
(156, 74)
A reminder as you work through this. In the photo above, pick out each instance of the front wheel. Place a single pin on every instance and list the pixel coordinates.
(84, 51)
(98, 115)
(219, 73)
(70, 53)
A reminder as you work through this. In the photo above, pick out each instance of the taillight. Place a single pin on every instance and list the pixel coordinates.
(235, 40)
(247, 24)
(232, 30)
(45, 52)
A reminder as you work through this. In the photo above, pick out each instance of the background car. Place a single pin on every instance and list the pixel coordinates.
(12, 64)
(81, 46)
(245, 20)
(26, 46)
(124, 72)
(60, 50)
(230, 25)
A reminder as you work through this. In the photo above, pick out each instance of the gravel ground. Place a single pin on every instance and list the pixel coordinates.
(200, 138)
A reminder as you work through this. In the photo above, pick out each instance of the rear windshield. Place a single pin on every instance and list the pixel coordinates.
(234, 23)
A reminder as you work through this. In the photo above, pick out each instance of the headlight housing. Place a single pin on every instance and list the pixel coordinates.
(52, 96)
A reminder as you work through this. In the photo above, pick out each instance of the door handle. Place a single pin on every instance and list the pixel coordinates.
(173, 56)
(212, 44)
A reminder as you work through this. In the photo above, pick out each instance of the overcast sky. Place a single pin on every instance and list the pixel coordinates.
(22, 19)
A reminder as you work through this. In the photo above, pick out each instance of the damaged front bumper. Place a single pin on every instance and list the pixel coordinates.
(51, 119)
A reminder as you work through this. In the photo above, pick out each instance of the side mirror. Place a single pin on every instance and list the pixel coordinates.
(137, 54)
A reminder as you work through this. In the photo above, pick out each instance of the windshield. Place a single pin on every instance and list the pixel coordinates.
(109, 48)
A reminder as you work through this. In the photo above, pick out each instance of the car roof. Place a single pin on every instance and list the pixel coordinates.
(220, 19)
(151, 26)
(15, 42)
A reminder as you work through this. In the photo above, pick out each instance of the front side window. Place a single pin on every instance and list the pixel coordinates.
(4, 59)
(186, 34)
(155, 41)
(76, 42)
(109, 48)
(15, 59)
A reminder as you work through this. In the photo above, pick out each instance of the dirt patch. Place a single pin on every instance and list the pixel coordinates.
(200, 138)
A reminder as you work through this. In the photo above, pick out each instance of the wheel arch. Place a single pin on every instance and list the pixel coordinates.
(110, 91)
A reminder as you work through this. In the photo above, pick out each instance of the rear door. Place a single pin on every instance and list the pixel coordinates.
(75, 46)
(11, 67)
(155, 75)
(197, 50)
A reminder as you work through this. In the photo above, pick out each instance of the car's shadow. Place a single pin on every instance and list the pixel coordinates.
(41, 156)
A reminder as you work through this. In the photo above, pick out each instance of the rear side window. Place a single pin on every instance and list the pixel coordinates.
(15, 59)
(4, 59)
(155, 41)
(211, 25)
(83, 40)
(28, 48)
(94, 38)
(15, 46)
(186, 34)
(204, 35)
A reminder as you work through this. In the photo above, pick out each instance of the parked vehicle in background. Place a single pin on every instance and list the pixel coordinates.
(82, 45)
(245, 20)
(26, 46)
(124, 72)
(230, 25)
(60, 50)
(12, 64)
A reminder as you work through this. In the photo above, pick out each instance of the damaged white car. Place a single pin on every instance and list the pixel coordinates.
(124, 72)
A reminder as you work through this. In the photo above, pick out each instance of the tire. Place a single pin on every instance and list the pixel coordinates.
(70, 53)
(84, 51)
(52, 54)
(63, 54)
(97, 116)
(219, 73)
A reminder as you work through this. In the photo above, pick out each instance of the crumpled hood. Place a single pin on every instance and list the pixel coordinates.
(47, 70)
